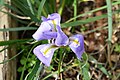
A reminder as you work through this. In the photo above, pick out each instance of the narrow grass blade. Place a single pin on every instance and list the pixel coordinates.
(10, 42)
(4, 49)
(61, 7)
(18, 29)
(38, 71)
(80, 22)
(12, 57)
(109, 13)
(13, 9)
(31, 75)
(30, 6)
(40, 8)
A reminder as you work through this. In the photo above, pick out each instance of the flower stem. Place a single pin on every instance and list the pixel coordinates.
(60, 62)
(75, 9)
(109, 12)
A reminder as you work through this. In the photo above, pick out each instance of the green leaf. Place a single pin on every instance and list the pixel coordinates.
(10, 42)
(30, 6)
(92, 59)
(85, 72)
(40, 8)
(47, 9)
(61, 7)
(19, 29)
(32, 73)
(103, 69)
(22, 6)
(30, 64)
(29, 69)
(117, 48)
(25, 9)
(13, 9)
(22, 61)
(28, 55)
(80, 22)
(20, 69)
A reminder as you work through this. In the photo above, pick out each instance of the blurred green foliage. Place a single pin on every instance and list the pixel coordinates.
(117, 48)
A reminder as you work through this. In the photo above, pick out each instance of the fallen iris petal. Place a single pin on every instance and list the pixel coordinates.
(45, 53)
(44, 28)
(77, 45)
(62, 39)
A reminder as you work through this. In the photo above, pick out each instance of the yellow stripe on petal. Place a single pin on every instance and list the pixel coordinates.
(54, 23)
(47, 50)
(76, 42)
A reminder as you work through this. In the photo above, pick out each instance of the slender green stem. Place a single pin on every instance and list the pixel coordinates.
(4, 49)
(75, 9)
(51, 74)
(60, 62)
(109, 54)
(109, 12)
(12, 57)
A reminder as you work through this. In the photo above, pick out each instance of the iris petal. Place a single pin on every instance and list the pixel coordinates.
(45, 53)
(77, 45)
(62, 39)
(53, 19)
(44, 29)
(44, 18)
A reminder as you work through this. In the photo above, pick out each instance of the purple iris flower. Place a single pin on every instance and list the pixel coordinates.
(50, 29)
(77, 45)
(47, 29)
(45, 52)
